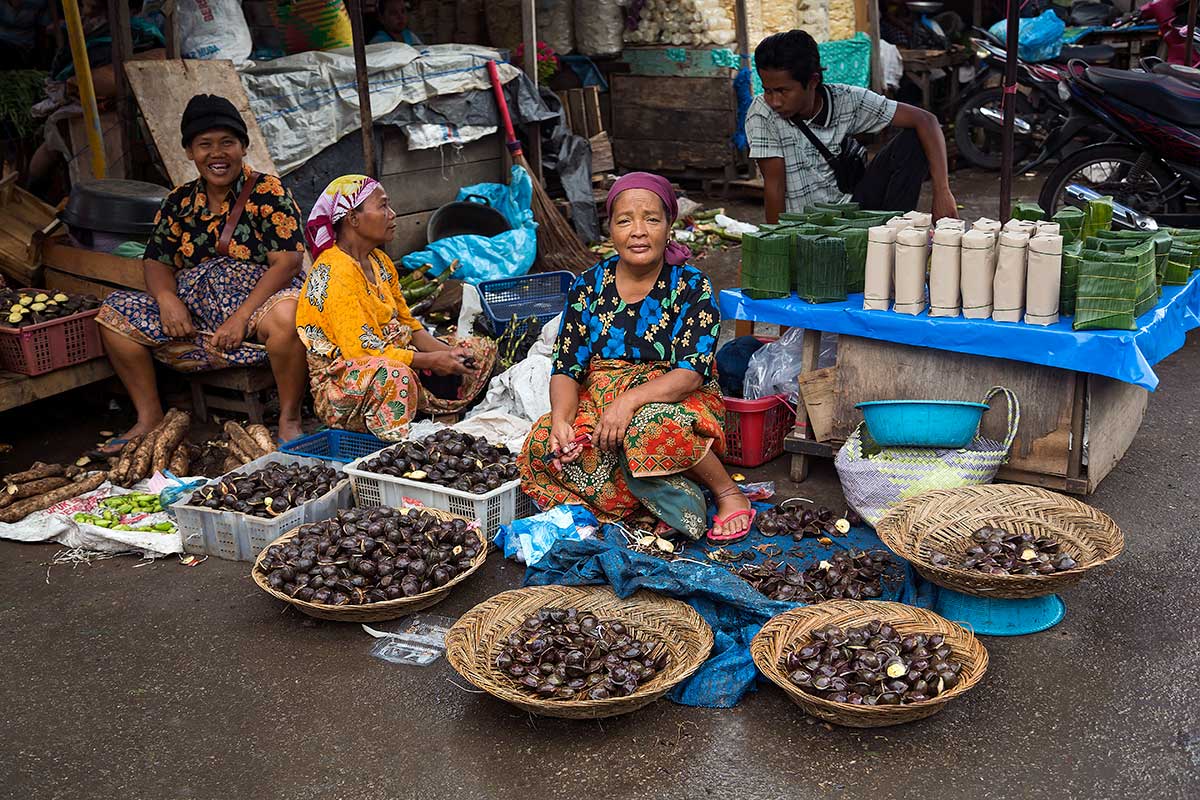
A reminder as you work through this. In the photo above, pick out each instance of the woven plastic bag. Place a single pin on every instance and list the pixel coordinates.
(876, 478)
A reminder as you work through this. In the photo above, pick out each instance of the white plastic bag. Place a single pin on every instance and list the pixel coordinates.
(775, 367)
(213, 29)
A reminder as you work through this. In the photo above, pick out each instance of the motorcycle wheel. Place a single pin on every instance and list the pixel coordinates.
(1110, 169)
(978, 142)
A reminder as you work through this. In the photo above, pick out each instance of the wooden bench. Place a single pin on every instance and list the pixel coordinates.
(237, 389)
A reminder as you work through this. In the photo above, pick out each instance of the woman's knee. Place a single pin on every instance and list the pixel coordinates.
(278, 325)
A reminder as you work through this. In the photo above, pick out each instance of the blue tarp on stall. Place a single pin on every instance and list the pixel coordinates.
(1124, 355)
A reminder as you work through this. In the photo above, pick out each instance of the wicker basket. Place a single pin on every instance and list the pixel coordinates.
(370, 612)
(944, 520)
(780, 635)
(474, 641)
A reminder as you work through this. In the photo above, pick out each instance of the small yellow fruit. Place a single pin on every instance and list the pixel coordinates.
(842, 525)
(41, 297)
(38, 307)
(61, 298)
(16, 309)
(25, 300)
(14, 318)
(896, 670)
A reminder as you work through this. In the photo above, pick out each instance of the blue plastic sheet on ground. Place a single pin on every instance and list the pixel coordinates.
(528, 539)
(733, 609)
(1039, 38)
(1124, 355)
(485, 258)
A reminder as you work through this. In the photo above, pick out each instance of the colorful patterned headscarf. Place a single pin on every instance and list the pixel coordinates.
(340, 197)
(676, 253)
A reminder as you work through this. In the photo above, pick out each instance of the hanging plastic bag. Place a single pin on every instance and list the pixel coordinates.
(1038, 39)
(213, 29)
(485, 258)
(775, 368)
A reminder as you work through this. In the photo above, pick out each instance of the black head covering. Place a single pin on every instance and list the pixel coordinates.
(205, 112)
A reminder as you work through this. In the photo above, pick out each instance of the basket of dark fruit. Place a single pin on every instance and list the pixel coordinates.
(868, 664)
(846, 574)
(578, 652)
(448, 470)
(368, 565)
(1001, 541)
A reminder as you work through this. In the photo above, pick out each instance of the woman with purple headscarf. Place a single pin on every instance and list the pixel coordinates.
(636, 425)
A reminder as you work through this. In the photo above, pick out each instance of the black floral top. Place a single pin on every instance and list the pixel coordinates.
(678, 322)
(186, 231)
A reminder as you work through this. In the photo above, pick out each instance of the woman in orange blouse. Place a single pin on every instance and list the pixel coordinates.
(367, 354)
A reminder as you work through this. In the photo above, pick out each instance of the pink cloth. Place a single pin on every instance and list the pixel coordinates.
(340, 197)
(676, 253)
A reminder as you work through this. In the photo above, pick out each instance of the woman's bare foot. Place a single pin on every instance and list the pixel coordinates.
(142, 426)
(289, 429)
(730, 502)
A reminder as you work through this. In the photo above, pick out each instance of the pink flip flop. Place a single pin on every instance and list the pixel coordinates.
(717, 538)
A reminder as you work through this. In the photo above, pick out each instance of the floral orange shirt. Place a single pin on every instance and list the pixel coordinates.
(342, 314)
(186, 230)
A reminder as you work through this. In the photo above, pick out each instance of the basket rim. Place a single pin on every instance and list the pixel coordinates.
(37, 326)
(817, 615)
(896, 535)
(181, 502)
(352, 469)
(259, 576)
(515, 696)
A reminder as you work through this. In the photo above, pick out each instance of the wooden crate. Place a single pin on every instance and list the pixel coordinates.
(675, 125)
(74, 269)
(24, 222)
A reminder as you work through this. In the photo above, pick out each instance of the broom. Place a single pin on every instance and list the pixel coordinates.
(557, 245)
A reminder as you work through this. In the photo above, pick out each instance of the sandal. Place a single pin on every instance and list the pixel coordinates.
(116, 443)
(717, 538)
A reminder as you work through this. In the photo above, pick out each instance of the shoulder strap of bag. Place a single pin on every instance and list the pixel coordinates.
(817, 143)
(235, 214)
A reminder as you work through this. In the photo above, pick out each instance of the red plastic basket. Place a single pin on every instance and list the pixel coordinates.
(47, 346)
(755, 429)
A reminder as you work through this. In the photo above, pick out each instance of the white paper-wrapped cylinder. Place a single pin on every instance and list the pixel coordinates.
(977, 273)
(992, 226)
(1024, 226)
(912, 254)
(899, 223)
(1048, 229)
(1043, 280)
(920, 219)
(951, 224)
(881, 256)
(1008, 287)
(945, 264)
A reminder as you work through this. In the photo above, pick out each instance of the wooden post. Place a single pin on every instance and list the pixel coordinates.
(1191, 34)
(122, 51)
(1010, 111)
(171, 34)
(533, 131)
(87, 90)
(873, 30)
(363, 85)
(742, 26)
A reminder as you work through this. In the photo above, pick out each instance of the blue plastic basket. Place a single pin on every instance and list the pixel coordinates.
(922, 423)
(335, 445)
(542, 296)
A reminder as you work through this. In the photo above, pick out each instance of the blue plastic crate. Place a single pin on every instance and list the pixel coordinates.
(335, 445)
(542, 296)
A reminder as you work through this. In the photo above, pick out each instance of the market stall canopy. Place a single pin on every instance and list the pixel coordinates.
(306, 102)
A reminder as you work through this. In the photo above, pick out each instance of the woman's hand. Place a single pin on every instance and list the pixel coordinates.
(610, 431)
(444, 362)
(231, 334)
(562, 441)
(176, 320)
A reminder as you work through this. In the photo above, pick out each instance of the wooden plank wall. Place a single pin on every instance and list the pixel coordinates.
(672, 124)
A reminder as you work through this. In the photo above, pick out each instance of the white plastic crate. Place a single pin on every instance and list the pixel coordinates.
(241, 537)
(498, 507)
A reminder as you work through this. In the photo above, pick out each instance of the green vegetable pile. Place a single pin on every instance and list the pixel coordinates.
(114, 509)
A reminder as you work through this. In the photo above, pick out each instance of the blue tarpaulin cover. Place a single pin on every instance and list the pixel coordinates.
(733, 609)
(1125, 355)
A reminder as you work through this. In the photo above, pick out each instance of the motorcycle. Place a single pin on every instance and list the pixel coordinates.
(1172, 27)
(1039, 109)
(1151, 157)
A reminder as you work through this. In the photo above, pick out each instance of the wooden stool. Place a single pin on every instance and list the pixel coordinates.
(236, 389)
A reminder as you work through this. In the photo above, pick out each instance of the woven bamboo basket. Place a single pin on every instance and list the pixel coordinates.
(371, 612)
(944, 520)
(473, 643)
(785, 632)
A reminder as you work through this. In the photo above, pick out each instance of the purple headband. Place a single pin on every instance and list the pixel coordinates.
(676, 253)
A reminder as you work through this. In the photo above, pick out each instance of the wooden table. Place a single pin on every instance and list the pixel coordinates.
(17, 390)
(919, 64)
(1063, 412)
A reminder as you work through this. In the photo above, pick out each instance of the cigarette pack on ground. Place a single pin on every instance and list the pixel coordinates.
(945, 273)
(977, 273)
(881, 259)
(911, 257)
(1008, 288)
(1042, 281)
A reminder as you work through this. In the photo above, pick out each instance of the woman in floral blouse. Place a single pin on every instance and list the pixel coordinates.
(637, 422)
(372, 365)
(216, 295)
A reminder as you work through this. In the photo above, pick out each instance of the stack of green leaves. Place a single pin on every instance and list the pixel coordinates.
(1118, 241)
(821, 268)
(1097, 218)
(1027, 211)
(1069, 281)
(1182, 261)
(855, 239)
(767, 265)
(1147, 284)
(1114, 289)
(1070, 223)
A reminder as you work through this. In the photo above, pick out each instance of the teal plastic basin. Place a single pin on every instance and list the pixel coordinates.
(922, 423)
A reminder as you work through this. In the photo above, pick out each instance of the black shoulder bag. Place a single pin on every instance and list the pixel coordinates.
(848, 166)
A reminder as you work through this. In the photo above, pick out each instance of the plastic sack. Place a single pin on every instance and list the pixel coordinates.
(527, 540)
(775, 368)
(213, 29)
(599, 27)
(1038, 39)
(485, 258)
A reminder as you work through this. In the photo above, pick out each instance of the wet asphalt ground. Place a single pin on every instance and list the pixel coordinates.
(134, 680)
